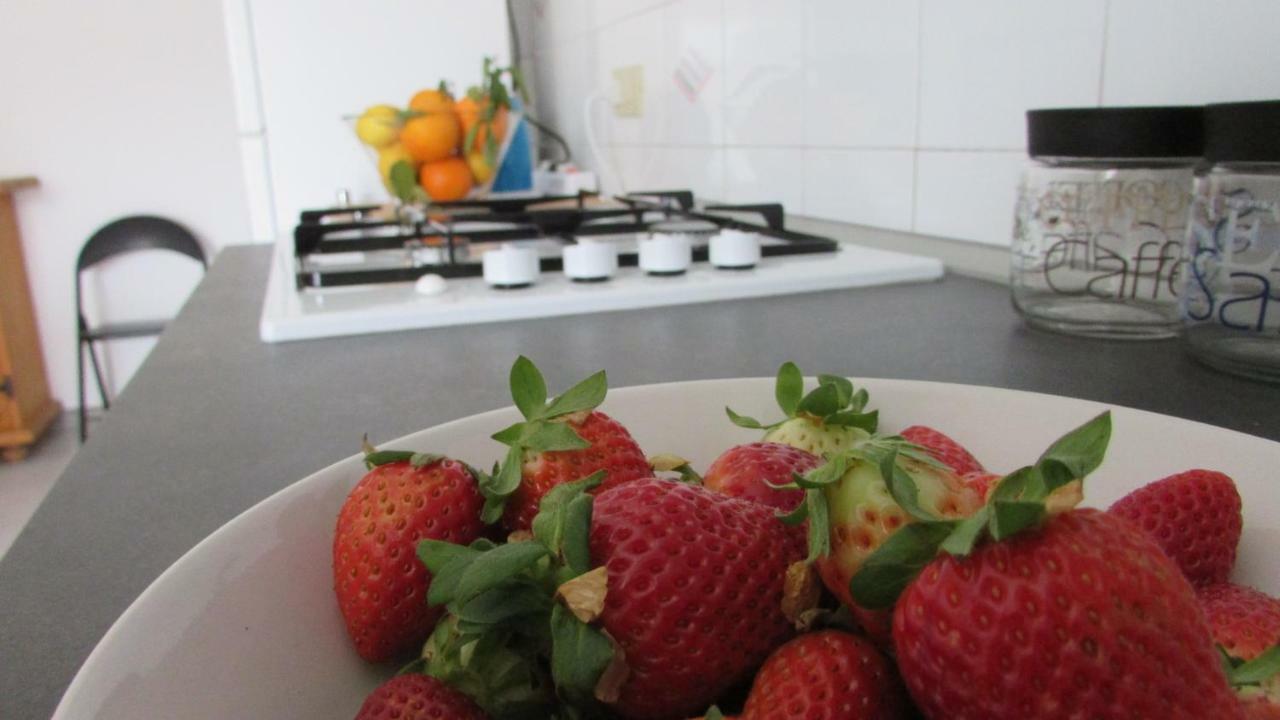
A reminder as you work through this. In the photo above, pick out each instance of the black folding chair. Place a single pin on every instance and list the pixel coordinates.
(123, 236)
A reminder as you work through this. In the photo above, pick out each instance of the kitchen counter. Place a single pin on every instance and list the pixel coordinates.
(215, 420)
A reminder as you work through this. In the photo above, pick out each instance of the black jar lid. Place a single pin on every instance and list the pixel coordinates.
(1116, 132)
(1242, 132)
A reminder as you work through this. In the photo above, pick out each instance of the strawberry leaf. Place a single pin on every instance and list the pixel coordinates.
(511, 435)
(421, 460)
(822, 401)
(1076, 454)
(962, 540)
(903, 487)
(1257, 670)
(490, 569)
(1009, 517)
(549, 436)
(436, 554)
(496, 488)
(859, 400)
(743, 421)
(888, 571)
(799, 514)
(586, 395)
(563, 523)
(386, 457)
(504, 602)
(579, 656)
(844, 388)
(815, 502)
(789, 388)
(1022, 484)
(865, 421)
(825, 474)
(528, 389)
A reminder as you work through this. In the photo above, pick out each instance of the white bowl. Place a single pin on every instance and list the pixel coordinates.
(245, 624)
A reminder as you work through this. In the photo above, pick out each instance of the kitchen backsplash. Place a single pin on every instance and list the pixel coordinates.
(905, 115)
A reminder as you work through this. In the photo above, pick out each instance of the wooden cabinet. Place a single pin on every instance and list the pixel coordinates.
(26, 408)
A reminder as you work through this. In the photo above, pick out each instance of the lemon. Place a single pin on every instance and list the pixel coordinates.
(378, 126)
(389, 156)
(481, 170)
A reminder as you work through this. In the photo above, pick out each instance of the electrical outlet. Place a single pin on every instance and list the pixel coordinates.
(630, 80)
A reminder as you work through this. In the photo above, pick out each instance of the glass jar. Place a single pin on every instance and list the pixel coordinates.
(1101, 218)
(1230, 306)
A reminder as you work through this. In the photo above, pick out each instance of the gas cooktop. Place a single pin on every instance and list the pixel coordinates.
(362, 269)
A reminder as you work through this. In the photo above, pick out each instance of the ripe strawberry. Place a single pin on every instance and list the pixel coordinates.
(1245, 622)
(944, 449)
(695, 582)
(825, 675)
(380, 585)
(747, 471)
(827, 419)
(1194, 517)
(668, 594)
(558, 442)
(1246, 626)
(418, 697)
(1081, 618)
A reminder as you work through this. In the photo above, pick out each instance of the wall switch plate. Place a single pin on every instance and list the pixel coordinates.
(630, 81)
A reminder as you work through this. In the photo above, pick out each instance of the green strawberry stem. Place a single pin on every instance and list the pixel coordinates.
(544, 428)
(1255, 671)
(501, 600)
(1022, 501)
(834, 402)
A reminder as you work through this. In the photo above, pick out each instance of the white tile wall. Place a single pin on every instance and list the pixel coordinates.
(860, 73)
(907, 114)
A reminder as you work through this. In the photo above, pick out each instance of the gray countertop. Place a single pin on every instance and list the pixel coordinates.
(215, 420)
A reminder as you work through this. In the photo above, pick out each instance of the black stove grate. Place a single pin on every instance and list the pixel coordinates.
(449, 227)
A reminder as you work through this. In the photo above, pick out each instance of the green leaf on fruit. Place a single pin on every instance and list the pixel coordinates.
(859, 400)
(743, 421)
(822, 401)
(503, 603)
(386, 457)
(967, 532)
(903, 487)
(586, 395)
(819, 512)
(789, 388)
(492, 568)
(563, 522)
(420, 459)
(528, 388)
(1009, 517)
(549, 436)
(511, 434)
(1257, 670)
(436, 554)
(865, 421)
(799, 514)
(1076, 454)
(579, 656)
(1022, 484)
(844, 388)
(888, 571)
(825, 474)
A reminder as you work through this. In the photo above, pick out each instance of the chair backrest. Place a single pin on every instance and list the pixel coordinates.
(138, 232)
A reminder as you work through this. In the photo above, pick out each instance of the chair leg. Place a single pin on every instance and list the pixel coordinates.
(97, 373)
(84, 417)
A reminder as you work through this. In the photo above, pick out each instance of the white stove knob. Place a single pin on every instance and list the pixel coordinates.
(511, 266)
(587, 261)
(735, 250)
(666, 253)
(430, 284)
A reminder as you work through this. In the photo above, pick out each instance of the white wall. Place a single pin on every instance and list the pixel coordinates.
(118, 108)
(906, 114)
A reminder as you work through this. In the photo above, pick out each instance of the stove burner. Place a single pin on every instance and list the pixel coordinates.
(390, 244)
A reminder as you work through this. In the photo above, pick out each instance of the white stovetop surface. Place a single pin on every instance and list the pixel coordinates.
(288, 314)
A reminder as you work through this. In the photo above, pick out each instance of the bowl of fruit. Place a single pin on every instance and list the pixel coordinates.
(783, 547)
(442, 148)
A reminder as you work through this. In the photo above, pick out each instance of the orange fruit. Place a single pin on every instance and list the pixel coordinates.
(468, 110)
(432, 102)
(428, 138)
(446, 180)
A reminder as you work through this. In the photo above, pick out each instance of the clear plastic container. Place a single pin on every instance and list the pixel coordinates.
(1230, 306)
(1101, 218)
